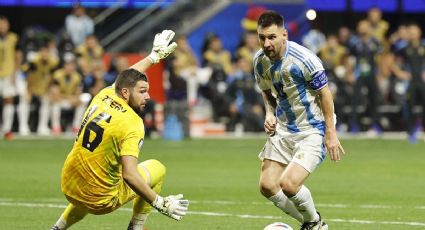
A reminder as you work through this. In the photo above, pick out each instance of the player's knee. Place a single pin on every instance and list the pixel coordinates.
(155, 167)
(289, 187)
(268, 187)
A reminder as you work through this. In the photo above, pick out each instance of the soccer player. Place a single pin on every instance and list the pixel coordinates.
(101, 172)
(11, 84)
(66, 93)
(299, 120)
(39, 77)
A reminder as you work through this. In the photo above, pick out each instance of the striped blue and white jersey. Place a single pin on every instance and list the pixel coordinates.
(294, 81)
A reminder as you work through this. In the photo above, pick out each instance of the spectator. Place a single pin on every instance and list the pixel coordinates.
(379, 27)
(118, 64)
(399, 39)
(361, 74)
(89, 51)
(177, 103)
(249, 46)
(93, 80)
(246, 102)
(66, 48)
(29, 45)
(413, 56)
(314, 40)
(217, 56)
(79, 25)
(186, 66)
(334, 56)
(345, 36)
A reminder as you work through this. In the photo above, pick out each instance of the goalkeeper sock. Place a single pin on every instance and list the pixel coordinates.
(281, 201)
(138, 221)
(304, 203)
(70, 216)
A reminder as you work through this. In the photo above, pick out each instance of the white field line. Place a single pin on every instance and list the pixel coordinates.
(365, 206)
(353, 221)
(226, 202)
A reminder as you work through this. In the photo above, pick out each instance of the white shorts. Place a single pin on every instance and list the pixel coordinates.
(10, 89)
(305, 148)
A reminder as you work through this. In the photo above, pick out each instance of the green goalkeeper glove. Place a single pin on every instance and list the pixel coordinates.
(171, 206)
(161, 46)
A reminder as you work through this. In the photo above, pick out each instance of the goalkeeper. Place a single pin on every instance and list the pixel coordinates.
(101, 173)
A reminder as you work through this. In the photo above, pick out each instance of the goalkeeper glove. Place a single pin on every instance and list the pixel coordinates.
(161, 46)
(171, 206)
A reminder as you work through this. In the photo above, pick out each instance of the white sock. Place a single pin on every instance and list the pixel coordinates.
(305, 205)
(138, 220)
(61, 224)
(281, 201)
(56, 115)
(8, 113)
(44, 115)
(23, 114)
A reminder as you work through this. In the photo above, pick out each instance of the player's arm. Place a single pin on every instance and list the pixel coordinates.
(270, 106)
(135, 180)
(161, 49)
(333, 146)
(171, 206)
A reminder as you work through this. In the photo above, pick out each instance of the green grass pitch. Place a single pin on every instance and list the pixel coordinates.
(380, 184)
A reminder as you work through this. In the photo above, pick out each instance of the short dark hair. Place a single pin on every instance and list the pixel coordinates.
(128, 79)
(269, 18)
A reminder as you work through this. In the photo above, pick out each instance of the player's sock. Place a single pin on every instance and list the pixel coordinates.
(44, 116)
(138, 221)
(23, 114)
(303, 201)
(70, 216)
(8, 112)
(281, 201)
(56, 115)
(154, 172)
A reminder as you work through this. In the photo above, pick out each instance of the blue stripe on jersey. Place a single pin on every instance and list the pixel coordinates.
(311, 63)
(302, 91)
(283, 99)
(301, 59)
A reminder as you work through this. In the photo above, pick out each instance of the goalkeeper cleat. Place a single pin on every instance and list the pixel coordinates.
(55, 228)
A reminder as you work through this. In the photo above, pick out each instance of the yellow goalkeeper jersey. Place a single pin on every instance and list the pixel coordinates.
(92, 173)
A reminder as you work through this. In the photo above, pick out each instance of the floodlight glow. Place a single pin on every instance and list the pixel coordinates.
(311, 14)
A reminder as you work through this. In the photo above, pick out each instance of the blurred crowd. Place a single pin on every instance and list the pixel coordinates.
(377, 77)
(47, 80)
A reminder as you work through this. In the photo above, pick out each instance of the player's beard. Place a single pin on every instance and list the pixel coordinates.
(135, 106)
